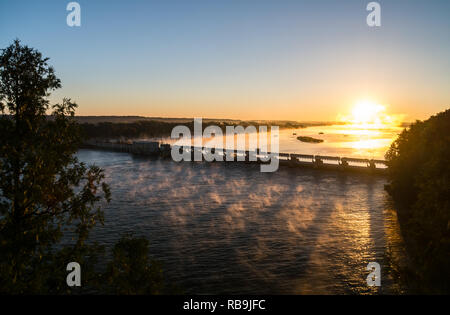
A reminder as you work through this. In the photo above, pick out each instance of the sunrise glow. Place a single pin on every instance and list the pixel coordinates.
(367, 114)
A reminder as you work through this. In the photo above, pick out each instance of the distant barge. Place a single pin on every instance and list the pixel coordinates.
(163, 150)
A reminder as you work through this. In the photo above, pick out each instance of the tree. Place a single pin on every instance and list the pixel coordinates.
(43, 187)
(131, 271)
(419, 182)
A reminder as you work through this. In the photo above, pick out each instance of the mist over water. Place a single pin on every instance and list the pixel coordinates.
(228, 228)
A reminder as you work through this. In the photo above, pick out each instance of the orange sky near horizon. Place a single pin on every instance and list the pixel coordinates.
(330, 107)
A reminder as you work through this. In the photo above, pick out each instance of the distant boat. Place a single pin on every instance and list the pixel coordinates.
(294, 134)
(321, 133)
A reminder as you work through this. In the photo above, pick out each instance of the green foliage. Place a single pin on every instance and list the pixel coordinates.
(43, 187)
(419, 175)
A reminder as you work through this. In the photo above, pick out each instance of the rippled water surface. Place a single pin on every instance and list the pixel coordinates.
(228, 228)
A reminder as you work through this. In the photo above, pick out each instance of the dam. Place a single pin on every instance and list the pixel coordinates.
(323, 162)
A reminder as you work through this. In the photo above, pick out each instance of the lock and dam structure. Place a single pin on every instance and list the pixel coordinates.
(322, 162)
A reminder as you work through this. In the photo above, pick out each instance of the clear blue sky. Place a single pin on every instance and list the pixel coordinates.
(302, 60)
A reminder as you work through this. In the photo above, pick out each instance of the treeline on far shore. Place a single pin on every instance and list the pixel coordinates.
(163, 128)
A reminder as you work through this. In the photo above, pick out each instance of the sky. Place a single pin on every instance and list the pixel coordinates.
(241, 59)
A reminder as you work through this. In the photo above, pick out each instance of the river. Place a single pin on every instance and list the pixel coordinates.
(229, 229)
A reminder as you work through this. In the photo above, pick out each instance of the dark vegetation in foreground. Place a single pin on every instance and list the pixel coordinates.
(46, 192)
(419, 182)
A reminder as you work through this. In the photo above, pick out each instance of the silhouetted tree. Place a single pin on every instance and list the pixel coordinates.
(46, 192)
(419, 182)
(43, 187)
(131, 271)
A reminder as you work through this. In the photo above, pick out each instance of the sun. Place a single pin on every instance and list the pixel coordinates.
(367, 112)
